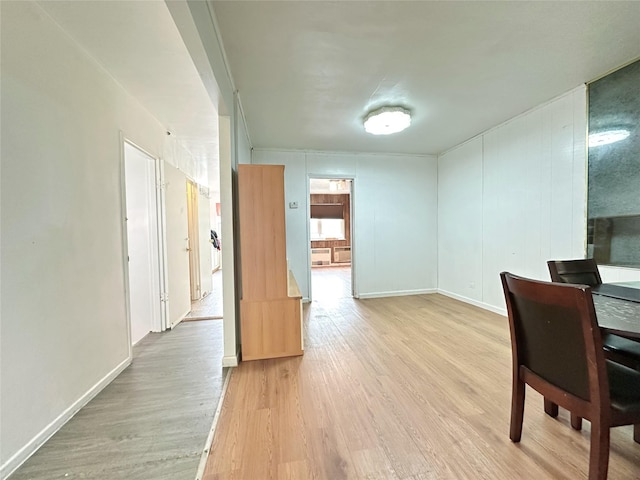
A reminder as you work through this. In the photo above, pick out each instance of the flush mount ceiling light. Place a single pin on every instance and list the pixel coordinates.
(607, 136)
(386, 120)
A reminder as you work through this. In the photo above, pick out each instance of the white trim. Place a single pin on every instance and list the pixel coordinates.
(180, 319)
(125, 240)
(244, 120)
(344, 152)
(162, 239)
(398, 293)
(352, 204)
(214, 424)
(230, 360)
(36, 442)
(158, 322)
(476, 303)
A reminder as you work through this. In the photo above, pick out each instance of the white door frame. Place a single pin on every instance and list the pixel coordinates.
(158, 324)
(162, 245)
(354, 290)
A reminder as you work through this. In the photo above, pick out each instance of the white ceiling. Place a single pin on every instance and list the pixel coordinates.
(308, 72)
(138, 43)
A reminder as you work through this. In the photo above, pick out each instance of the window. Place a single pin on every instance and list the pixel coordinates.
(327, 229)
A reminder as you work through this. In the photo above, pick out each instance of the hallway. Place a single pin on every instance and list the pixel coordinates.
(209, 307)
(152, 421)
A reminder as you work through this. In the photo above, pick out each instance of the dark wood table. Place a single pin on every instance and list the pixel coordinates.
(618, 309)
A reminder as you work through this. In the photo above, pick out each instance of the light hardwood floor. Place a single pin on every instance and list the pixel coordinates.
(331, 283)
(151, 422)
(414, 387)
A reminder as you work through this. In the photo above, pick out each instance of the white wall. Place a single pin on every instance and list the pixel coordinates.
(513, 198)
(394, 217)
(63, 311)
(229, 320)
(243, 149)
(460, 221)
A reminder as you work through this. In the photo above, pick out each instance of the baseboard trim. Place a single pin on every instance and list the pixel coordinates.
(197, 319)
(485, 306)
(230, 360)
(36, 442)
(214, 424)
(182, 317)
(398, 293)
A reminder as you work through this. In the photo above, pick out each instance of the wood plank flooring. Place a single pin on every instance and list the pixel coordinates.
(331, 283)
(414, 387)
(151, 422)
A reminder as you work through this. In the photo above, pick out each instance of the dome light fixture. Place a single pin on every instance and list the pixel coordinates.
(605, 137)
(387, 120)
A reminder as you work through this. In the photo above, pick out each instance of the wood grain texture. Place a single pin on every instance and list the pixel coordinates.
(293, 290)
(271, 328)
(151, 422)
(331, 282)
(262, 231)
(269, 318)
(414, 387)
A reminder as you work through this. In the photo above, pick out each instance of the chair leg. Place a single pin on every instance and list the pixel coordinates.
(576, 422)
(550, 408)
(517, 410)
(636, 433)
(599, 453)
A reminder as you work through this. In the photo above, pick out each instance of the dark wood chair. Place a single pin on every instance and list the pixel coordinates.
(585, 272)
(619, 349)
(557, 350)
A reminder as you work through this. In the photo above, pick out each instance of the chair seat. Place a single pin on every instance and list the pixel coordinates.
(622, 346)
(624, 387)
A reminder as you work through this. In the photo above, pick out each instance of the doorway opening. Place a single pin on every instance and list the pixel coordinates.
(209, 305)
(144, 267)
(331, 232)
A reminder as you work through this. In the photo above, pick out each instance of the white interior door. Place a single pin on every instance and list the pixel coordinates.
(177, 245)
(142, 242)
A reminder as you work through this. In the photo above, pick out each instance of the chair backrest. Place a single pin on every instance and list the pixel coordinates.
(555, 334)
(583, 272)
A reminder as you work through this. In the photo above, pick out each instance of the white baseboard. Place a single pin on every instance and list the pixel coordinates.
(36, 442)
(230, 360)
(397, 293)
(212, 431)
(180, 319)
(486, 306)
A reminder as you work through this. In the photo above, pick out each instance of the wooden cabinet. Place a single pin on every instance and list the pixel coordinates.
(270, 302)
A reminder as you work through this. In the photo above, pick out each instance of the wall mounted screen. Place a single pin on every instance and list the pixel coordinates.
(613, 226)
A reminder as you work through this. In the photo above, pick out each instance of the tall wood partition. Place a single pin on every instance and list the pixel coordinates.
(271, 303)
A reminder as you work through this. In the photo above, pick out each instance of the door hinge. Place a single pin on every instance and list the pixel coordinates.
(164, 297)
